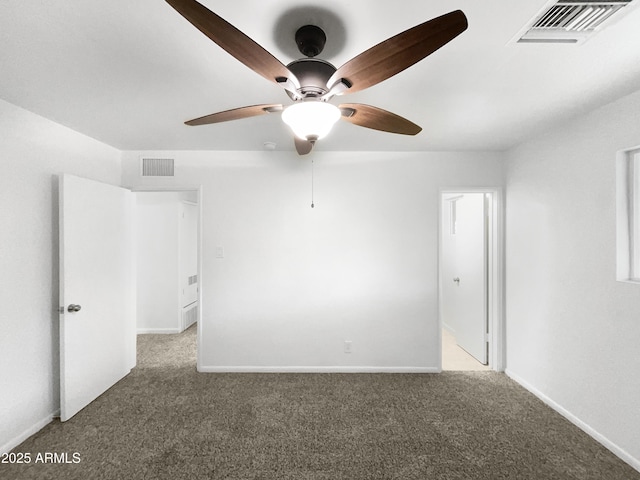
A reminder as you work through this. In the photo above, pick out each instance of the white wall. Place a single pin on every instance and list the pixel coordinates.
(573, 331)
(33, 151)
(160, 280)
(157, 217)
(296, 282)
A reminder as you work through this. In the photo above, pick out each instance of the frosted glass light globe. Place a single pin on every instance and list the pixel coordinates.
(311, 119)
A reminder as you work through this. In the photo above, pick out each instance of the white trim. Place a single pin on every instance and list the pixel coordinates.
(626, 244)
(618, 451)
(623, 214)
(142, 331)
(312, 369)
(199, 348)
(497, 350)
(449, 328)
(32, 430)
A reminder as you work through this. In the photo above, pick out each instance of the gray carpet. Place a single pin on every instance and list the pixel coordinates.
(165, 421)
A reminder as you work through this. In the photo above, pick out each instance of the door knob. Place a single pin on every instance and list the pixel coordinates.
(73, 308)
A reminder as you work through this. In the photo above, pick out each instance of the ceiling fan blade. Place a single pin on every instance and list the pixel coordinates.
(235, 114)
(235, 42)
(398, 53)
(302, 146)
(377, 119)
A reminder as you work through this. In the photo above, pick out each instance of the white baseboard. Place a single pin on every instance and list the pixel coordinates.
(618, 451)
(311, 369)
(157, 330)
(35, 428)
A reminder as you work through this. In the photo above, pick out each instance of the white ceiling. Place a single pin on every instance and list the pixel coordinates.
(129, 73)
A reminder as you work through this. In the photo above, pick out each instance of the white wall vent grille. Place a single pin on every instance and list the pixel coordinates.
(189, 315)
(157, 167)
(571, 21)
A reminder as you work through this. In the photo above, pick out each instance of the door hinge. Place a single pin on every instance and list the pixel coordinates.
(61, 310)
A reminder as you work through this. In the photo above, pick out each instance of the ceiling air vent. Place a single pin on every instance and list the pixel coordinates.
(570, 21)
(157, 167)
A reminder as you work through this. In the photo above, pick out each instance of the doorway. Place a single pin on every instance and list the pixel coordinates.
(470, 280)
(169, 299)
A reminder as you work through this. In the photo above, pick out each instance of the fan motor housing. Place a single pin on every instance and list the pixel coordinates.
(310, 40)
(313, 75)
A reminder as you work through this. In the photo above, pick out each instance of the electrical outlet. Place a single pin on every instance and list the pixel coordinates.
(347, 346)
(219, 252)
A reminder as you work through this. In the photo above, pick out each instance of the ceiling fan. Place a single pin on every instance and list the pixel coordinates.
(311, 82)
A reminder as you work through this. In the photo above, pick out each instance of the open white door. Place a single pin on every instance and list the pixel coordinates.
(464, 271)
(97, 290)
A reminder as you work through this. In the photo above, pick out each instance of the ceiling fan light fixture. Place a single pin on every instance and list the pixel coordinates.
(310, 82)
(312, 119)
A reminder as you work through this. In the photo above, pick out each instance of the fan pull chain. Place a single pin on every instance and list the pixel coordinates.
(312, 206)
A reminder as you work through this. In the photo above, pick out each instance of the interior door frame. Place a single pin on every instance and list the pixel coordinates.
(495, 273)
(198, 190)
